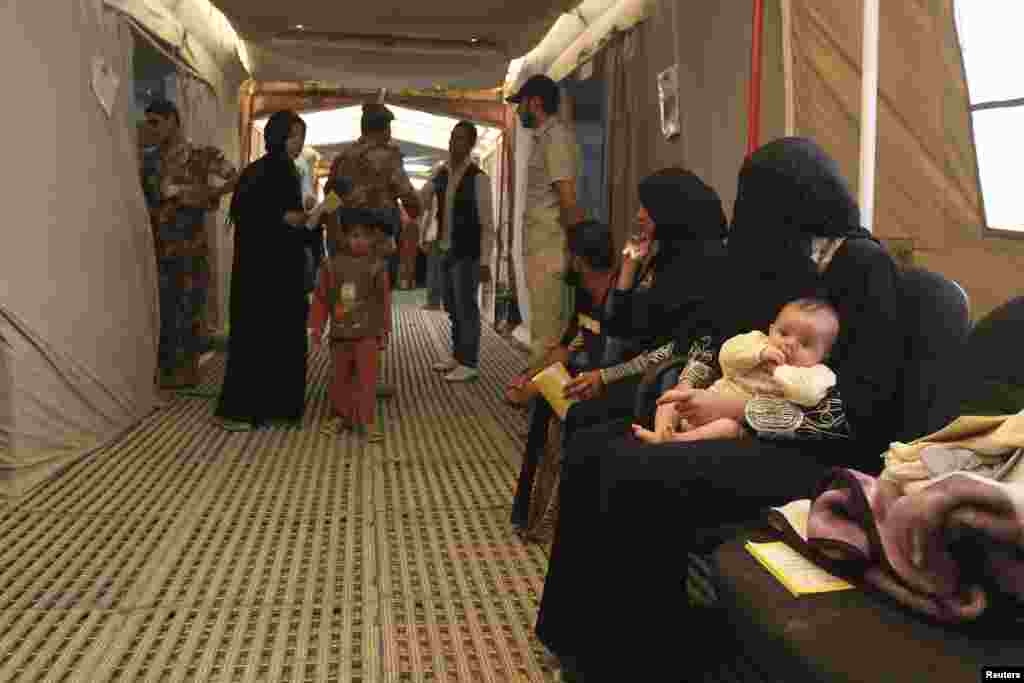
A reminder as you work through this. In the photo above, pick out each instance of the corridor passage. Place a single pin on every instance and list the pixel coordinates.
(187, 553)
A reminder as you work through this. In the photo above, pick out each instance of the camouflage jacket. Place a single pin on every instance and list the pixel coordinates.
(377, 177)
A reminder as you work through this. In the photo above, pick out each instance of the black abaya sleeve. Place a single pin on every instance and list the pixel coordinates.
(863, 281)
(266, 191)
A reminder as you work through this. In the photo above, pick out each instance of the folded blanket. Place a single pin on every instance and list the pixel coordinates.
(988, 446)
(952, 550)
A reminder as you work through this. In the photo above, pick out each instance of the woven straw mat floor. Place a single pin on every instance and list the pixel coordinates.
(187, 553)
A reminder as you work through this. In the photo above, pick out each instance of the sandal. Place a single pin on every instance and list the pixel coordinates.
(336, 426)
(235, 425)
(196, 392)
(371, 434)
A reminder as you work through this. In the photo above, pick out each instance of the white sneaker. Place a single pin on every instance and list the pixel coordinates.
(462, 374)
(446, 365)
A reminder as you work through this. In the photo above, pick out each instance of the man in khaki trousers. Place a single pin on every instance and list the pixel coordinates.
(551, 211)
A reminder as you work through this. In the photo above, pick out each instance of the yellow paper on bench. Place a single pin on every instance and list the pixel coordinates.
(331, 202)
(794, 571)
(551, 382)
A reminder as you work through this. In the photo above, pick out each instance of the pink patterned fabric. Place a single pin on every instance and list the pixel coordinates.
(952, 550)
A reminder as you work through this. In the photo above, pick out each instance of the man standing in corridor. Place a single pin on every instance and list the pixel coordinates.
(465, 235)
(176, 182)
(551, 211)
(370, 172)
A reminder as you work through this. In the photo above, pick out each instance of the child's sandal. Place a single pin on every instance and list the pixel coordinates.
(335, 426)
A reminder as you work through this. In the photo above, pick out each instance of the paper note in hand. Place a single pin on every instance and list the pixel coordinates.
(551, 382)
(794, 571)
(331, 202)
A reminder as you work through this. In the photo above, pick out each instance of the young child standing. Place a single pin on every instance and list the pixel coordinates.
(354, 294)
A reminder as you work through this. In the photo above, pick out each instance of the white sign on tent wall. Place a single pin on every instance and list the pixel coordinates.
(668, 98)
(104, 84)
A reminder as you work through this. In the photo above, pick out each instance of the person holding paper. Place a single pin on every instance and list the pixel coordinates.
(630, 512)
(671, 267)
(265, 378)
(585, 346)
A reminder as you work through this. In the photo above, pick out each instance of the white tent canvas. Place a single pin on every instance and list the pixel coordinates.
(79, 314)
(78, 303)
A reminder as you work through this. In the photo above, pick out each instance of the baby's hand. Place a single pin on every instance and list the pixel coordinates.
(770, 354)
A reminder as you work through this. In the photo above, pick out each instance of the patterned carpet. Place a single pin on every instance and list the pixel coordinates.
(186, 553)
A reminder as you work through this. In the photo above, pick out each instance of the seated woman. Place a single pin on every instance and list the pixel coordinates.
(669, 268)
(630, 511)
(672, 266)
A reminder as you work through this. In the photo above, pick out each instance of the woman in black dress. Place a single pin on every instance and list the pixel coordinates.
(657, 293)
(614, 604)
(265, 378)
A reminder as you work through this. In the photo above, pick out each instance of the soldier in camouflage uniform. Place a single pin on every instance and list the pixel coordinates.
(179, 193)
(374, 174)
(369, 173)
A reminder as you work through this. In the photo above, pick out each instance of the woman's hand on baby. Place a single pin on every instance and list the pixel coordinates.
(700, 406)
(585, 386)
(770, 354)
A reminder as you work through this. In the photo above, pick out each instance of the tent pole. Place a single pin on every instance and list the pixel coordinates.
(754, 91)
(869, 113)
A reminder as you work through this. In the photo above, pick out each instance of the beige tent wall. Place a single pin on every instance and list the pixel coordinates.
(78, 288)
(713, 42)
(927, 191)
(204, 41)
(79, 312)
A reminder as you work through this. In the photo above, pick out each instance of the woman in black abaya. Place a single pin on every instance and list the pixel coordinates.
(265, 378)
(614, 604)
(660, 293)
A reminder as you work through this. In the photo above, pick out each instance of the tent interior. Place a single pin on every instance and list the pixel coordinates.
(77, 361)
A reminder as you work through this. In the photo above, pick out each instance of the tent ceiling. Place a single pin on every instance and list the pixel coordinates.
(389, 43)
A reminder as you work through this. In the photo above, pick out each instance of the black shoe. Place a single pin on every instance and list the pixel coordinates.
(569, 672)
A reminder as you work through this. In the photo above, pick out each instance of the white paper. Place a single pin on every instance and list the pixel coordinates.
(104, 84)
(796, 513)
(668, 97)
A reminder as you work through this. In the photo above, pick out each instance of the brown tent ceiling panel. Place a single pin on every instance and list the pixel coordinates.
(449, 42)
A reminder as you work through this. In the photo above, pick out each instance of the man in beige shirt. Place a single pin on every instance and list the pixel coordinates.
(551, 211)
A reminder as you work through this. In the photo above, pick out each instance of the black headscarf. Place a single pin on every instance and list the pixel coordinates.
(689, 227)
(682, 207)
(279, 127)
(790, 191)
(689, 222)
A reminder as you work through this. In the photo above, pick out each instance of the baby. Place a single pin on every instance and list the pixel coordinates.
(786, 363)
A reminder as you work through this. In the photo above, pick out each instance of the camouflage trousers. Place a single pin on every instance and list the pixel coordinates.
(550, 299)
(184, 272)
